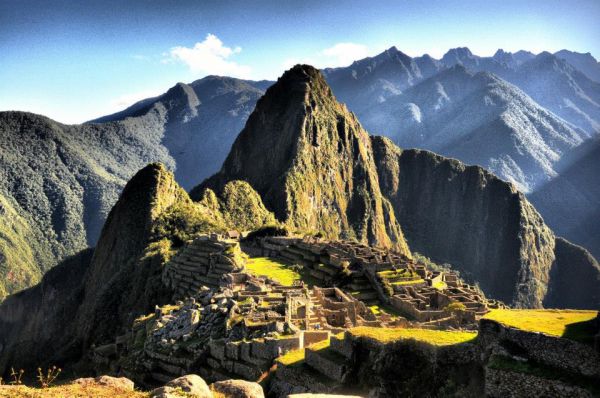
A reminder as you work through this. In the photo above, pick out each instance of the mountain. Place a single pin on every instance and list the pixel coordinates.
(95, 295)
(311, 162)
(375, 79)
(313, 166)
(549, 80)
(586, 63)
(54, 205)
(484, 227)
(200, 122)
(303, 159)
(570, 203)
(57, 184)
(479, 119)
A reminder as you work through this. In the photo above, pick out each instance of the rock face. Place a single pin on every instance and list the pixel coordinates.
(88, 297)
(586, 63)
(482, 225)
(190, 385)
(116, 285)
(311, 162)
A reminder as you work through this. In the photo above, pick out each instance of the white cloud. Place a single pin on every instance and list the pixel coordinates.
(343, 54)
(209, 57)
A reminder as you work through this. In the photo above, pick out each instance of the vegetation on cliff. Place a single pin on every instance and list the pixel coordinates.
(311, 162)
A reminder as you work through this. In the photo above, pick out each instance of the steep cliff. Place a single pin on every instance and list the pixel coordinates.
(466, 216)
(311, 162)
(574, 278)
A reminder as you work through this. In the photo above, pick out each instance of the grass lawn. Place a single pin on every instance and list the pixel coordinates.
(277, 270)
(572, 324)
(69, 390)
(433, 337)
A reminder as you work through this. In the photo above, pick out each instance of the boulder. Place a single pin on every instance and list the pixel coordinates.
(185, 386)
(121, 383)
(239, 389)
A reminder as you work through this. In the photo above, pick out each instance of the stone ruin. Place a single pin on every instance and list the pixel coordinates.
(228, 323)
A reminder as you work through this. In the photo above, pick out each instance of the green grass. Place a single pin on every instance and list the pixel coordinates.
(408, 283)
(433, 337)
(294, 357)
(572, 324)
(378, 309)
(278, 270)
(440, 285)
(403, 273)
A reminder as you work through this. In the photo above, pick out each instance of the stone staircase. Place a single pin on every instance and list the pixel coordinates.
(361, 288)
(333, 362)
(202, 262)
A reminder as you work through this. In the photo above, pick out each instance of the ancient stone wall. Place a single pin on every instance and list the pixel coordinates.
(560, 353)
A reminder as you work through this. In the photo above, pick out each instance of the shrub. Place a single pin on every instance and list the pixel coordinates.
(455, 306)
(269, 230)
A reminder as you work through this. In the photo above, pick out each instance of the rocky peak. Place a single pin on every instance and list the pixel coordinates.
(457, 55)
(311, 162)
(181, 101)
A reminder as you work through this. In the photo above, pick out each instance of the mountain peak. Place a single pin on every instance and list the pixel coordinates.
(297, 134)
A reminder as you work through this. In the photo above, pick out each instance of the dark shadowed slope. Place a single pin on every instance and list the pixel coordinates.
(570, 203)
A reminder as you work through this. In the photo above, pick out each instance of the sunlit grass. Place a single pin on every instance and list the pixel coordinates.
(572, 324)
(278, 271)
(296, 356)
(69, 390)
(434, 337)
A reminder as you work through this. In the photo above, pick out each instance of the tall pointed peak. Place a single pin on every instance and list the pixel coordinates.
(311, 162)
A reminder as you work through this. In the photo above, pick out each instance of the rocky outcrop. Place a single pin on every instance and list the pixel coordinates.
(86, 299)
(465, 216)
(117, 285)
(311, 162)
(189, 386)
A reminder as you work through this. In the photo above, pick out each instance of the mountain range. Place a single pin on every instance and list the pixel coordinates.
(497, 112)
(54, 205)
(302, 141)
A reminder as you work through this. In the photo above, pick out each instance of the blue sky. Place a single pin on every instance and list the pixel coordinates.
(75, 60)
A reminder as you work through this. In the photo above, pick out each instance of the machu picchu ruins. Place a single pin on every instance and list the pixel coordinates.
(226, 322)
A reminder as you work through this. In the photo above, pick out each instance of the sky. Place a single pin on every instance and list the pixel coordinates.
(75, 60)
